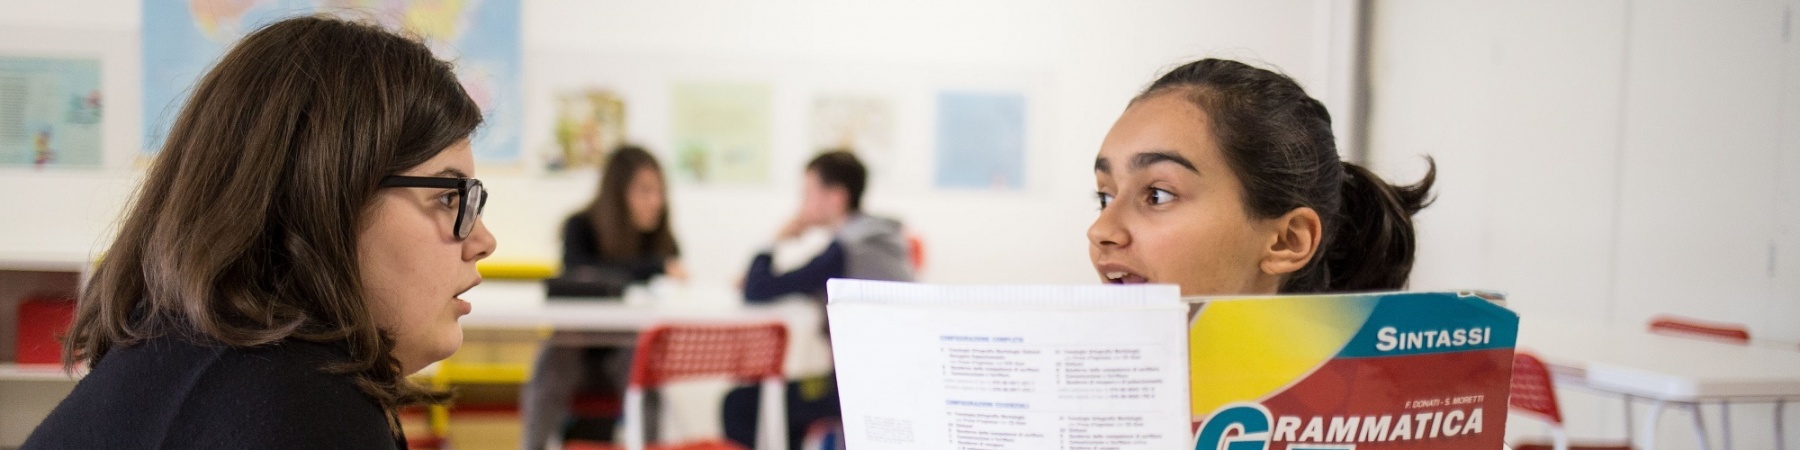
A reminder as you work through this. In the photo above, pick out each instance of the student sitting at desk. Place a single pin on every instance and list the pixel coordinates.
(862, 247)
(295, 251)
(1224, 179)
(622, 237)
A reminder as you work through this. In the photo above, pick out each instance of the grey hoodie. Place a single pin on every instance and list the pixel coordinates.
(875, 249)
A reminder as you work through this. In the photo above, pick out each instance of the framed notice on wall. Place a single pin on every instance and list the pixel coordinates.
(50, 112)
(980, 140)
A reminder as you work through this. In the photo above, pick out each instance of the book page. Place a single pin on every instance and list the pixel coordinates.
(1001, 368)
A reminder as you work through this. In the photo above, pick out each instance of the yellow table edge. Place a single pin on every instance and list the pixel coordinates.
(516, 269)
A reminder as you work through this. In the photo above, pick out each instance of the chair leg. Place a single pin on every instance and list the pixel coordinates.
(438, 414)
(772, 419)
(1628, 425)
(1780, 425)
(1724, 424)
(1700, 427)
(634, 419)
(1650, 419)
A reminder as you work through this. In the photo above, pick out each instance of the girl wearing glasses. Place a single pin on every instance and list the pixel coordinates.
(297, 248)
(1224, 179)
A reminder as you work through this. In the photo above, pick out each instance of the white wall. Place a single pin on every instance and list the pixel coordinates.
(1613, 159)
(1078, 62)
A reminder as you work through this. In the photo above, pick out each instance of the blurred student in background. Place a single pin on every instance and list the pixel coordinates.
(622, 237)
(1225, 179)
(862, 247)
(295, 250)
(624, 234)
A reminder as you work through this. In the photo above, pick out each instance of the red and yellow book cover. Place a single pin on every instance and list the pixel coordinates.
(1387, 371)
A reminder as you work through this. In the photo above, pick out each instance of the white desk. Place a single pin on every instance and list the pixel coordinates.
(613, 322)
(1632, 361)
(524, 304)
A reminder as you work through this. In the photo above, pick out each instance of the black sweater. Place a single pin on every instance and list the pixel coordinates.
(171, 393)
(581, 252)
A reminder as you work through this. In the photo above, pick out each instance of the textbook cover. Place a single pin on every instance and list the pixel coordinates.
(1427, 370)
(1140, 368)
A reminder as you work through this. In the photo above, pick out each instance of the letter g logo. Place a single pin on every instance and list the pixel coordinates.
(1251, 420)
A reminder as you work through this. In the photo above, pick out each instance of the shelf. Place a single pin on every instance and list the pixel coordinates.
(36, 372)
(44, 262)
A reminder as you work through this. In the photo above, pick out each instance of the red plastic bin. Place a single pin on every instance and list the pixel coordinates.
(43, 321)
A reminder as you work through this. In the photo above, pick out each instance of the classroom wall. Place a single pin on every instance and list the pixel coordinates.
(1610, 159)
(1077, 62)
(1616, 158)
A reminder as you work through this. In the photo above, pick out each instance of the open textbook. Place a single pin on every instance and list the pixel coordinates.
(1139, 367)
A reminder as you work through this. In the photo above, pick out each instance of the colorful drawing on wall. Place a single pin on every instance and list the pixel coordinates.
(589, 123)
(980, 140)
(50, 112)
(722, 132)
(864, 124)
(182, 40)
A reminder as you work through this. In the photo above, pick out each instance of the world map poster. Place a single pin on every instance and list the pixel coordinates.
(183, 39)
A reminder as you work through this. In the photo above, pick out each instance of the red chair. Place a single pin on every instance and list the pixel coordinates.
(1688, 327)
(915, 252)
(744, 353)
(1534, 394)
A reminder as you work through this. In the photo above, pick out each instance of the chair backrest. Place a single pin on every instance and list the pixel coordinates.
(1532, 389)
(915, 252)
(1676, 325)
(673, 352)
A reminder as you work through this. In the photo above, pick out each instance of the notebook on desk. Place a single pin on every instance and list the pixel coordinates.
(566, 289)
(587, 284)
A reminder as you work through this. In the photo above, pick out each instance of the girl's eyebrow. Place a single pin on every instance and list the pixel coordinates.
(451, 172)
(1147, 159)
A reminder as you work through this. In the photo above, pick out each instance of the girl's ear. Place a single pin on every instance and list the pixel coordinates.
(1296, 238)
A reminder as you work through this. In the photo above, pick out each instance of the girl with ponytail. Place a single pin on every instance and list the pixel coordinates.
(1225, 179)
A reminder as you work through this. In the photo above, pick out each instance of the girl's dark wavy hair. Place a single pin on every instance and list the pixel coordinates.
(244, 231)
(1279, 142)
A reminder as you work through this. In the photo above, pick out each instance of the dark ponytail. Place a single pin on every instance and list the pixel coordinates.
(1373, 246)
(1278, 142)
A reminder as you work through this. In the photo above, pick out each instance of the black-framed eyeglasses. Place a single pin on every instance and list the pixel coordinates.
(473, 197)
